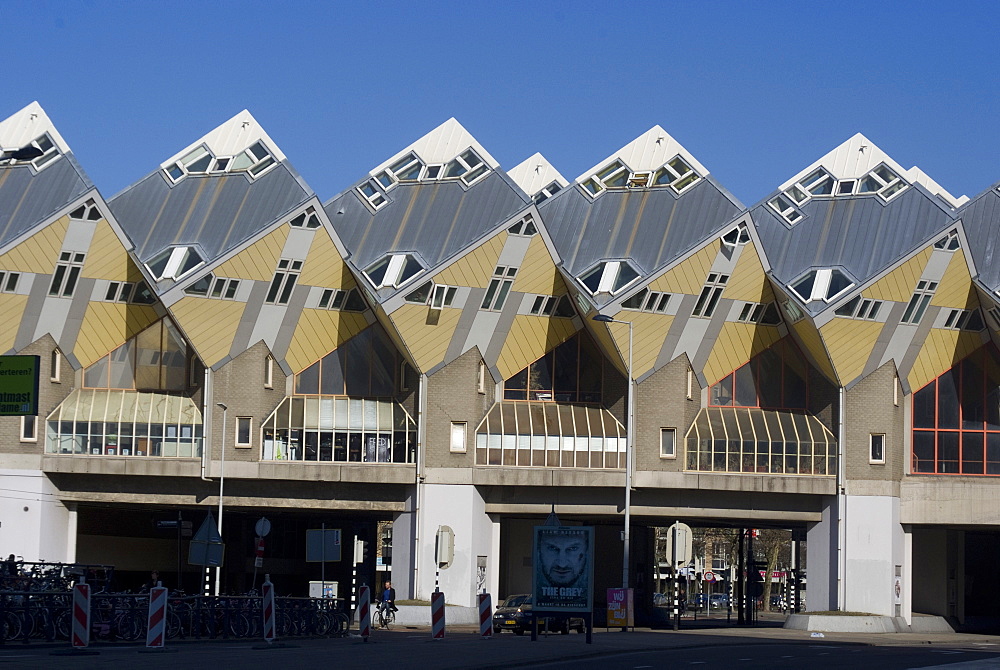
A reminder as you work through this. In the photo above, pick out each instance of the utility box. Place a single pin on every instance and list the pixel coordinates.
(320, 589)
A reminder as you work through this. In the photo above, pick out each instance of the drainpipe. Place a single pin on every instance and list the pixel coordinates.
(418, 498)
(841, 505)
(206, 423)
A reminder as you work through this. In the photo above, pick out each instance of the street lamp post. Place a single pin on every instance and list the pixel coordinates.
(629, 446)
(222, 481)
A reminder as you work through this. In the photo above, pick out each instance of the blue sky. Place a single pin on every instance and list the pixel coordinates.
(755, 90)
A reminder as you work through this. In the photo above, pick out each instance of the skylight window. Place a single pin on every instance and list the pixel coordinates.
(306, 219)
(255, 160)
(675, 173)
(393, 270)
(467, 166)
(86, 212)
(372, 195)
(174, 263)
(820, 183)
(881, 180)
(525, 227)
(825, 284)
(609, 277)
(736, 237)
(949, 242)
(784, 207)
(39, 152)
(547, 192)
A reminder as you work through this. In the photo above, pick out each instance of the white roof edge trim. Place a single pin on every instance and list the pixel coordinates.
(648, 152)
(535, 173)
(230, 138)
(20, 128)
(441, 145)
(858, 156)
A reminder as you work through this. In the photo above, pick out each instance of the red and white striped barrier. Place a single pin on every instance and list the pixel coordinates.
(156, 628)
(365, 612)
(80, 635)
(267, 607)
(485, 615)
(437, 615)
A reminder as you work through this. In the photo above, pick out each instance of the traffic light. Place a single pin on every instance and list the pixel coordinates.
(365, 548)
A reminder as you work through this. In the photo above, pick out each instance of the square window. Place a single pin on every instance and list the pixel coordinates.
(668, 443)
(459, 431)
(876, 453)
(243, 424)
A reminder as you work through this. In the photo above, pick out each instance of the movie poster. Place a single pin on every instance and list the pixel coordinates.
(563, 575)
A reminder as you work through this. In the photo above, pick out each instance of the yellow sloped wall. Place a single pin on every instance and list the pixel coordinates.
(898, 285)
(427, 332)
(813, 343)
(324, 265)
(737, 343)
(940, 351)
(107, 258)
(538, 273)
(476, 267)
(107, 325)
(748, 281)
(955, 288)
(850, 343)
(40, 252)
(259, 260)
(11, 311)
(210, 325)
(690, 274)
(530, 337)
(320, 331)
(648, 333)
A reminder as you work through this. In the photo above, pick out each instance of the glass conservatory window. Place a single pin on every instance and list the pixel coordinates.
(776, 378)
(572, 372)
(155, 359)
(365, 365)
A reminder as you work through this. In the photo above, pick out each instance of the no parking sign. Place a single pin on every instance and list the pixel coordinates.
(710, 577)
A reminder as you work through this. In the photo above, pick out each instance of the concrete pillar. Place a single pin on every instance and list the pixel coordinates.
(34, 523)
(873, 547)
(460, 507)
(403, 544)
(821, 560)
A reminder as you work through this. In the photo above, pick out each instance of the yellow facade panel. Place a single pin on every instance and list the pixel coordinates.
(737, 343)
(320, 331)
(850, 343)
(11, 311)
(898, 285)
(427, 332)
(648, 333)
(530, 337)
(940, 351)
(210, 324)
(107, 325)
(107, 258)
(324, 266)
(538, 273)
(748, 281)
(475, 268)
(813, 343)
(955, 288)
(690, 274)
(39, 252)
(259, 260)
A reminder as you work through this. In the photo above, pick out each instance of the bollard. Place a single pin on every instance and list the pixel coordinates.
(80, 636)
(437, 615)
(156, 621)
(267, 607)
(485, 616)
(364, 612)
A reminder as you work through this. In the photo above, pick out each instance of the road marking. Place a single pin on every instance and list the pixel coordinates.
(788, 657)
(697, 663)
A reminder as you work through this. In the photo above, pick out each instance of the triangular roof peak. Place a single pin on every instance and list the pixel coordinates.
(441, 145)
(235, 135)
(535, 173)
(28, 124)
(858, 156)
(648, 152)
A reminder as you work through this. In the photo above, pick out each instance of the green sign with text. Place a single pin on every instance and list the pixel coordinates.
(18, 385)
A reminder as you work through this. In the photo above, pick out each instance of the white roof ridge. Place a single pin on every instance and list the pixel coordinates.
(230, 138)
(535, 173)
(441, 145)
(647, 152)
(27, 124)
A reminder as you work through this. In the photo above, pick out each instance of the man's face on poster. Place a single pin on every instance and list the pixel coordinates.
(563, 557)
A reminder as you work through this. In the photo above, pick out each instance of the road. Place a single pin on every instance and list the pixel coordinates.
(731, 649)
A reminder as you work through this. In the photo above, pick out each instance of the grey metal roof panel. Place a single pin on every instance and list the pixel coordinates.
(862, 234)
(652, 227)
(981, 220)
(27, 199)
(435, 220)
(216, 212)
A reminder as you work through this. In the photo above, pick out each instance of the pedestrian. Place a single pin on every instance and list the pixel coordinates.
(154, 580)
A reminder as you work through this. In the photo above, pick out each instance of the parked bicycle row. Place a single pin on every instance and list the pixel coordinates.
(30, 615)
(20, 575)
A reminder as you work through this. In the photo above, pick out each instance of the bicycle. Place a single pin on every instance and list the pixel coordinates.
(385, 616)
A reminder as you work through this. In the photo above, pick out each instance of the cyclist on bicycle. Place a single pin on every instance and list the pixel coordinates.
(387, 602)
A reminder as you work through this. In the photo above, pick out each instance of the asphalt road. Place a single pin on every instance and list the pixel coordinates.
(731, 649)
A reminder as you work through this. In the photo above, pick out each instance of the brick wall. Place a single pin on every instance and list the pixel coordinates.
(240, 385)
(868, 408)
(50, 394)
(452, 395)
(661, 402)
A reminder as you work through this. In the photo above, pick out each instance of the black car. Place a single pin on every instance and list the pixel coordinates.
(514, 614)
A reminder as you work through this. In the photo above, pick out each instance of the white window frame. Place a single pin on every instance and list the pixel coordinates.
(711, 294)
(673, 443)
(460, 430)
(393, 272)
(821, 286)
(871, 448)
(283, 281)
(441, 296)
(268, 371)
(88, 211)
(372, 195)
(524, 228)
(737, 237)
(864, 309)
(919, 301)
(481, 379)
(958, 319)
(499, 288)
(690, 384)
(307, 220)
(249, 431)
(654, 302)
(8, 281)
(949, 242)
(63, 284)
(55, 366)
(784, 208)
(26, 421)
(546, 192)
